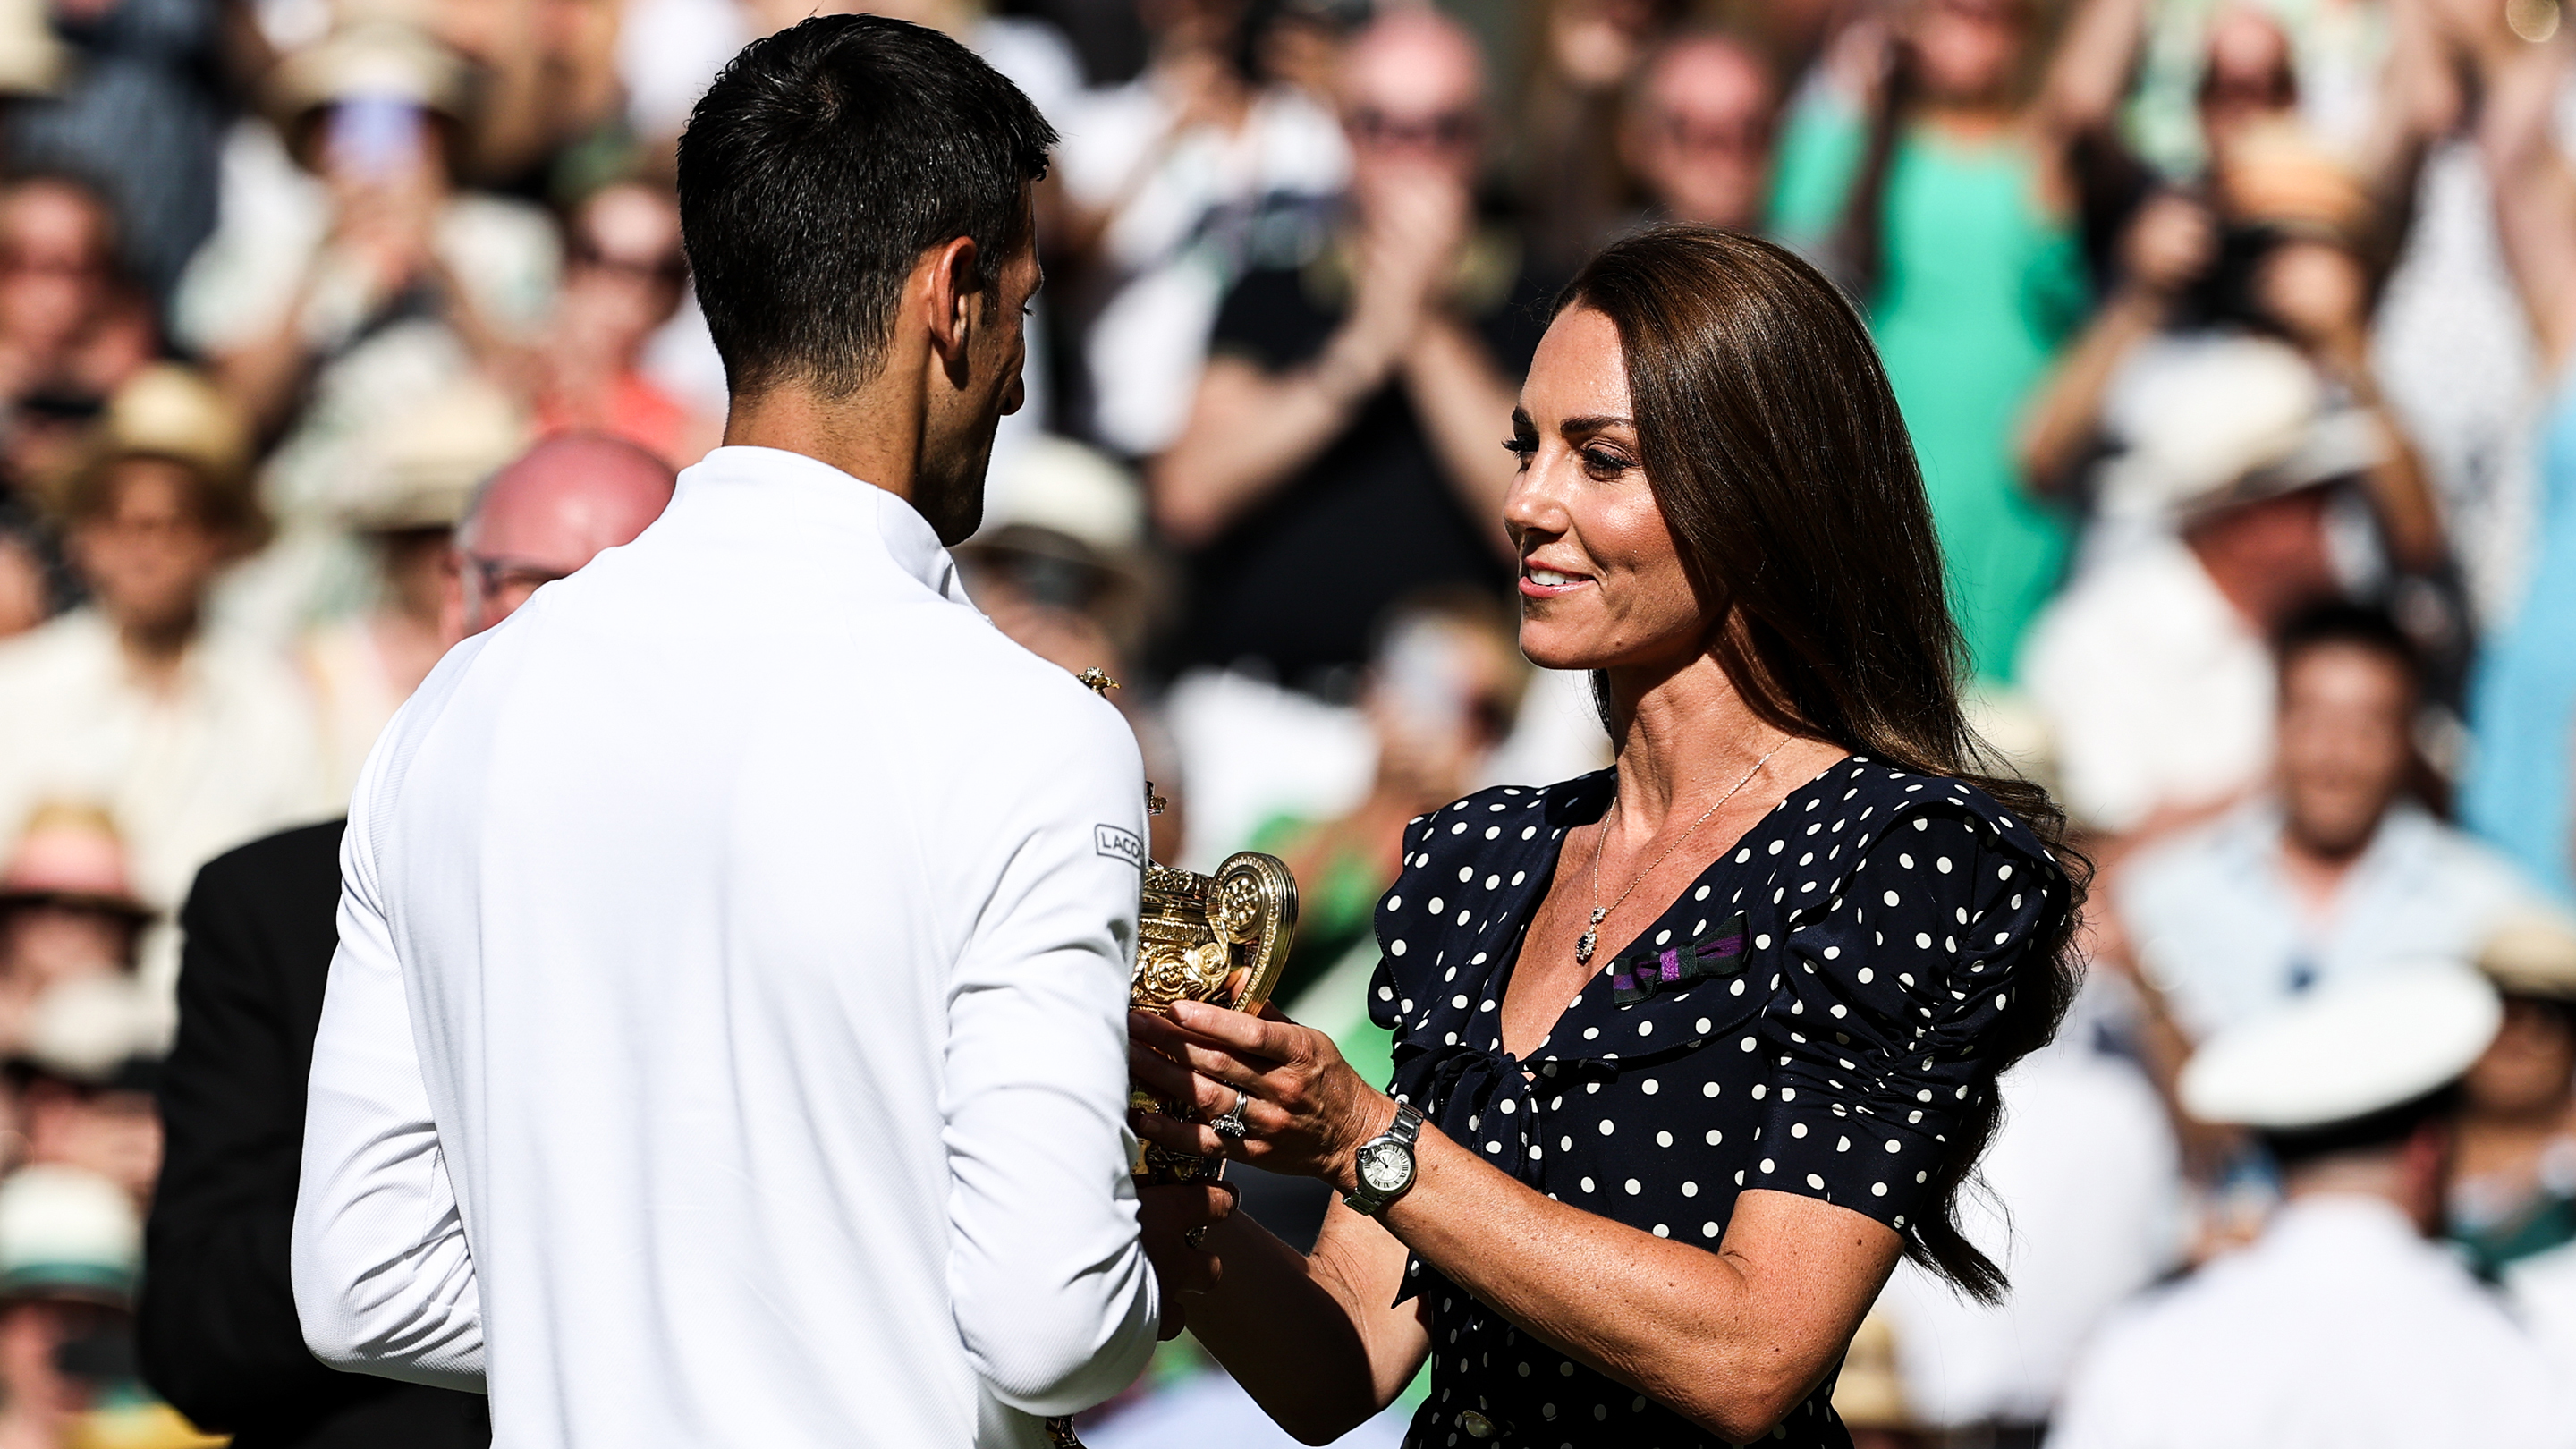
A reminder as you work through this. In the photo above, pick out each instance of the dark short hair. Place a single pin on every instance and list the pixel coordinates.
(2352, 626)
(223, 502)
(2382, 1131)
(819, 167)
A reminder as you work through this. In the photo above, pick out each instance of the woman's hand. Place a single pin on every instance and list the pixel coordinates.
(1305, 1112)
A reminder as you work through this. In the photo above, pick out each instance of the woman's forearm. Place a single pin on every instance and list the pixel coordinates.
(1297, 1333)
(1466, 411)
(1713, 1334)
(2067, 415)
(1250, 431)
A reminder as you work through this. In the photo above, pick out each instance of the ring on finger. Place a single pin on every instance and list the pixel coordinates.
(1232, 1123)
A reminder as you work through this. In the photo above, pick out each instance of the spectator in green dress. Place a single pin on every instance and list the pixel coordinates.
(1931, 171)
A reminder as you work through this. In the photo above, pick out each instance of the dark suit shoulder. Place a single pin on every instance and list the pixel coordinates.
(289, 867)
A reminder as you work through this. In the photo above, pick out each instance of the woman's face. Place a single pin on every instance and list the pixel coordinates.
(1968, 50)
(1602, 584)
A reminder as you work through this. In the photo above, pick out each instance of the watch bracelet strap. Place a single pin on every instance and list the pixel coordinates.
(1407, 1129)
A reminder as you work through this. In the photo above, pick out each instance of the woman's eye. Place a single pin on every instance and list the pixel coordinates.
(1601, 463)
(1521, 448)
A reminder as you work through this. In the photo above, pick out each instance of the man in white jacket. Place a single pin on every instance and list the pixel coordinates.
(727, 1043)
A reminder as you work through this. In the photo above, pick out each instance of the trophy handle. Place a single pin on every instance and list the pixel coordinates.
(1256, 896)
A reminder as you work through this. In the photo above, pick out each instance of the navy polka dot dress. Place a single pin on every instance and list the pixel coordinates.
(1808, 1016)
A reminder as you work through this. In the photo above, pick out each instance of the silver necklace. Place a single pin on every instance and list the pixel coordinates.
(1592, 930)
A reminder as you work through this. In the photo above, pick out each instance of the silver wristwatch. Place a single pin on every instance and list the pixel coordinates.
(1384, 1164)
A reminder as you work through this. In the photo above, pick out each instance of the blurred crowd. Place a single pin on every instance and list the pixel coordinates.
(2234, 337)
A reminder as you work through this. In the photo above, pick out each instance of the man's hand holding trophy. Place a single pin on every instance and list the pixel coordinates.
(1219, 939)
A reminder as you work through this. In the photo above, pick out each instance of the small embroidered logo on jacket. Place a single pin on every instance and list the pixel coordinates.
(1118, 844)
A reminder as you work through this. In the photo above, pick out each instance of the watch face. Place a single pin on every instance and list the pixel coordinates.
(1385, 1166)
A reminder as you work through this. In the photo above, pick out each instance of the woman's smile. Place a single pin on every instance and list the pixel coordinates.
(1541, 582)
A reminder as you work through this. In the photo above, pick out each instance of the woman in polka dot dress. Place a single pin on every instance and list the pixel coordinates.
(1702, 1043)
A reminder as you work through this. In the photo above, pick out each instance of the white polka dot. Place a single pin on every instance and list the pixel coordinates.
(1942, 865)
(1587, 1184)
(1662, 936)
(1747, 1044)
(1890, 898)
(1662, 1232)
(1492, 881)
(1663, 1139)
(1766, 1164)
(1591, 1032)
(1894, 1146)
(1923, 939)
(1492, 830)
(1645, 1028)
(1878, 1189)
(1778, 845)
(1796, 1129)
(1386, 993)
(1395, 948)
(2003, 872)
(1815, 1181)
(1650, 1087)
(1395, 903)
(1762, 943)
(1834, 953)
(1459, 1002)
(1458, 829)
(1865, 975)
(1708, 1230)
(1714, 1137)
(1608, 1126)
(1708, 1089)
(1634, 1187)
(1905, 860)
(1438, 905)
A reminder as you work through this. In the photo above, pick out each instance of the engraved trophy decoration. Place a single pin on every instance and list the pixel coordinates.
(1218, 938)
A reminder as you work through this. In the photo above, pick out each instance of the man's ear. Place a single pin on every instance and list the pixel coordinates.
(451, 596)
(954, 304)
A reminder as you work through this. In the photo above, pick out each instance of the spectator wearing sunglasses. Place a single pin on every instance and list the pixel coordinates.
(1342, 451)
(1699, 129)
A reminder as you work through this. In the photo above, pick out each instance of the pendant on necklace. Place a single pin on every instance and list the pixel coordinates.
(1583, 947)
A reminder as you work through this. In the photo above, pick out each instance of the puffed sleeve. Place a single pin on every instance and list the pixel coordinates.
(1390, 994)
(1891, 993)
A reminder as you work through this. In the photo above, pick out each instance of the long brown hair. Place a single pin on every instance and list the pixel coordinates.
(1776, 452)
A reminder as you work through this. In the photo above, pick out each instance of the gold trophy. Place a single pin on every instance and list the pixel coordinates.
(1218, 938)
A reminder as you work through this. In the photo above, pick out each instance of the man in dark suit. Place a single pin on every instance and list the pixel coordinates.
(218, 1331)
